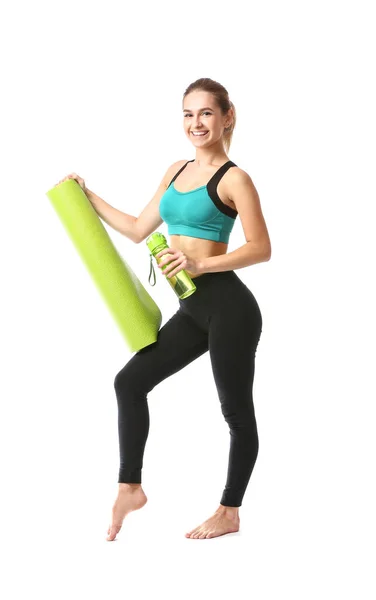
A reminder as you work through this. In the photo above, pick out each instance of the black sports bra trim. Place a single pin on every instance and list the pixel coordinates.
(211, 187)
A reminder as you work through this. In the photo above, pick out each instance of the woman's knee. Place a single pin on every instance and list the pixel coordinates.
(240, 417)
(128, 380)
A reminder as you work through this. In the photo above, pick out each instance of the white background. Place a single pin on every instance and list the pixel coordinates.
(96, 89)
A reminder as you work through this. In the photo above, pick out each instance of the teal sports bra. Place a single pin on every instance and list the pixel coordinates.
(199, 213)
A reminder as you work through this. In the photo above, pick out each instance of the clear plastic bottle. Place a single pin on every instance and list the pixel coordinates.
(181, 283)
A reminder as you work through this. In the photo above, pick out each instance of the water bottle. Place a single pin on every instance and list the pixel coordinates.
(181, 283)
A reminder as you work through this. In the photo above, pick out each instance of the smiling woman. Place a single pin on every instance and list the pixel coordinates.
(199, 200)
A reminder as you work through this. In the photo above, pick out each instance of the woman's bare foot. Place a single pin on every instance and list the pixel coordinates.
(131, 496)
(225, 520)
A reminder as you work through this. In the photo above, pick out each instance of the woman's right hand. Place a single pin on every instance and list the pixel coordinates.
(79, 180)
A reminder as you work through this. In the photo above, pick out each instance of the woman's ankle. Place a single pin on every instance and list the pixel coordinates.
(129, 486)
(230, 511)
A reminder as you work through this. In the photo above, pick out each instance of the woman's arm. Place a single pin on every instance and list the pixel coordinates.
(125, 224)
(135, 228)
(257, 248)
(246, 255)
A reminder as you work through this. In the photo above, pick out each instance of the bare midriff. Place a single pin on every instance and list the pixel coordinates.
(197, 248)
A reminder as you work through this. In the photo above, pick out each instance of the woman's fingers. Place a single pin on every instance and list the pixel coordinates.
(179, 262)
(167, 260)
(79, 179)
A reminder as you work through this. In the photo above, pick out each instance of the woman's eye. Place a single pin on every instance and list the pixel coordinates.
(205, 113)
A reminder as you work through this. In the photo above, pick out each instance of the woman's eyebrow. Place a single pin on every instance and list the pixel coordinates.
(205, 108)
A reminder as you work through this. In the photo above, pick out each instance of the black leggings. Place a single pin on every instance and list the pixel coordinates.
(221, 316)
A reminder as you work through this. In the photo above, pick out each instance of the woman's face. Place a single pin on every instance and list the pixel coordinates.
(202, 114)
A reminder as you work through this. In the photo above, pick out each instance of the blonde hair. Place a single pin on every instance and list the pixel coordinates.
(222, 100)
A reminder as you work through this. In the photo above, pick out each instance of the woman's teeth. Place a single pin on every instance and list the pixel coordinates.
(199, 133)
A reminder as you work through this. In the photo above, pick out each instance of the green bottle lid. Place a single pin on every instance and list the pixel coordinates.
(154, 240)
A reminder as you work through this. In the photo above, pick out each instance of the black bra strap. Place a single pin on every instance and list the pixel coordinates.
(212, 190)
(213, 182)
(178, 173)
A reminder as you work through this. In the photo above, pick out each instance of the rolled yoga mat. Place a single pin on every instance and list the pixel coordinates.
(135, 312)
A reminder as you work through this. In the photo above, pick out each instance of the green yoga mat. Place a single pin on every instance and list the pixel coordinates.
(135, 312)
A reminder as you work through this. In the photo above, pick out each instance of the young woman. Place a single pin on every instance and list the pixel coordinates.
(199, 200)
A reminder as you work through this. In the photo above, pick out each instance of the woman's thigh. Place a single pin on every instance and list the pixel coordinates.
(233, 339)
(180, 341)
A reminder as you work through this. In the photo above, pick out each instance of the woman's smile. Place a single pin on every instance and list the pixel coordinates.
(199, 133)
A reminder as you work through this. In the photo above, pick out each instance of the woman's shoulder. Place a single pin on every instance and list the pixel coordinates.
(174, 168)
(178, 164)
(236, 178)
(236, 173)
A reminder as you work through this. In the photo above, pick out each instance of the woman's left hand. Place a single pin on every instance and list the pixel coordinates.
(177, 261)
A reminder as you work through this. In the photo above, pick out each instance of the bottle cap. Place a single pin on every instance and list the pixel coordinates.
(154, 240)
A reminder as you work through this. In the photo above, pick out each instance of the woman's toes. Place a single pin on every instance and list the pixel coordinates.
(202, 535)
(113, 533)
